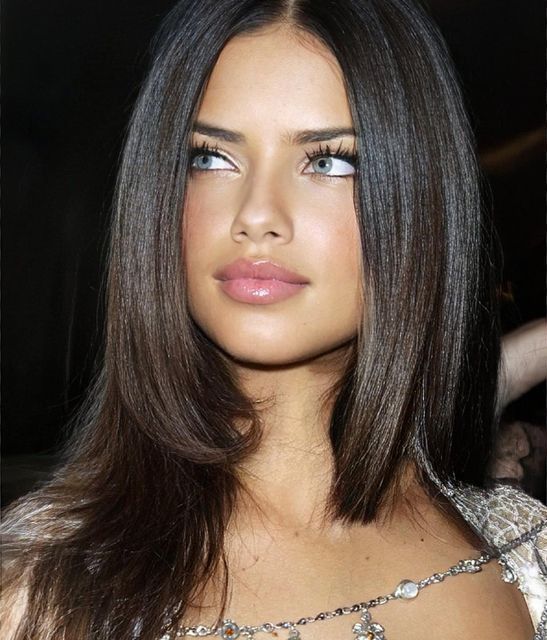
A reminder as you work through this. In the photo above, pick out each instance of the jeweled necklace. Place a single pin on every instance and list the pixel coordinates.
(366, 628)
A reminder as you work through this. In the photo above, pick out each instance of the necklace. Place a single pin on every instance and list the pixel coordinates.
(366, 628)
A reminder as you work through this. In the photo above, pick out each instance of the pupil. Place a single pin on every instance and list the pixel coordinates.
(325, 164)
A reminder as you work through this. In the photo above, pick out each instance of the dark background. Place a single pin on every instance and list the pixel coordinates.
(71, 71)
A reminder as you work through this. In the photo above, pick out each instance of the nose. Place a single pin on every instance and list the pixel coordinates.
(263, 215)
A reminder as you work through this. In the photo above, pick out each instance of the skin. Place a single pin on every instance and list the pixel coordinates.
(523, 361)
(270, 202)
(285, 557)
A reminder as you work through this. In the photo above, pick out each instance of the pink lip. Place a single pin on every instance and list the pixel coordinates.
(260, 282)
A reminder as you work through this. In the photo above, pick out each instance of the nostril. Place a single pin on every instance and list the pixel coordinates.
(260, 225)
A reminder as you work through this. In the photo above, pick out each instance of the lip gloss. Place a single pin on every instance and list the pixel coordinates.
(260, 281)
(259, 291)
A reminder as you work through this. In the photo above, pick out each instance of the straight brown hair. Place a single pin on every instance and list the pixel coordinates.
(131, 526)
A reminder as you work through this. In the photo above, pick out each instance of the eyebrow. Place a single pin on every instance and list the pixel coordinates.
(292, 137)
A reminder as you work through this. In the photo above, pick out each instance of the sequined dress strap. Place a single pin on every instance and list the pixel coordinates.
(515, 524)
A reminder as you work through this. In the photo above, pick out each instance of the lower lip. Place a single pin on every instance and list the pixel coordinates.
(256, 291)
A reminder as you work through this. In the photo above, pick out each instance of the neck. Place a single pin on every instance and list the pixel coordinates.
(287, 481)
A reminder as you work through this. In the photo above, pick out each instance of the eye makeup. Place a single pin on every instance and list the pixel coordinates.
(321, 151)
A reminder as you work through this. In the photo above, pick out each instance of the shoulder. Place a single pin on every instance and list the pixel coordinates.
(515, 524)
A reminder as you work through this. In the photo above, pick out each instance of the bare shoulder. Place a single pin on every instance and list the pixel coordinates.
(515, 524)
(464, 604)
(470, 602)
(467, 604)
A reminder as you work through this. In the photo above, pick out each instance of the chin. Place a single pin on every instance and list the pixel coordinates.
(267, 357)
(260, 352)
(274, 342)
(282, 353)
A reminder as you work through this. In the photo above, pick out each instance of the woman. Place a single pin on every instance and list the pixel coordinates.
(297, 401)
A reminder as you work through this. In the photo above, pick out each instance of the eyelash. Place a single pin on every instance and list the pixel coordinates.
(340, 153)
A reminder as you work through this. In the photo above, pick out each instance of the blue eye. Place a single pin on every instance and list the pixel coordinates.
(203, 158)
(325, 162)
(332, 164)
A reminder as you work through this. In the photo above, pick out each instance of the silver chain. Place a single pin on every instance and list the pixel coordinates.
(229, 629)
(406, 590)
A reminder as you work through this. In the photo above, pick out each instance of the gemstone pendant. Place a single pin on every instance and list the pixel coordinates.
(229, 630)
(368, 630)
(406, 590)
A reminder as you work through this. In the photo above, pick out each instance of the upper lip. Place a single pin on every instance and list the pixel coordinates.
(259, 269)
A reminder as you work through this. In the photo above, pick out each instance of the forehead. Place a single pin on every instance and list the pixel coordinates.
(272, 80)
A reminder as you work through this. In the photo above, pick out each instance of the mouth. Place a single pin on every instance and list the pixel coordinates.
(260, 282)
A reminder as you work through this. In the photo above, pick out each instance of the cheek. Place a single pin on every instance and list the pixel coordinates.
(206, 246)
(330, 240)
(203, 229)
(331, 228)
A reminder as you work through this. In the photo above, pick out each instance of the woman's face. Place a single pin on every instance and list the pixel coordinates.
(255, 201)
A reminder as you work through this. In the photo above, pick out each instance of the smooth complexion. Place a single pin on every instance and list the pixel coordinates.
(262, 199)
(267, 201)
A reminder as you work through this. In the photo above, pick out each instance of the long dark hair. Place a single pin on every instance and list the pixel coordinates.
(131, 526)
